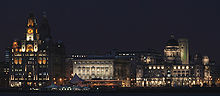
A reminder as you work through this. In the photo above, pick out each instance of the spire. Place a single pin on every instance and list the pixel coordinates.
(44, 14)
(44, 19)
(44, 27)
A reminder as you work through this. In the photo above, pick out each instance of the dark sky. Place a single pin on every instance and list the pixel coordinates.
(122, 24)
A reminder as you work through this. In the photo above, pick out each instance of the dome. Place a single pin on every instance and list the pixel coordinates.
(172, 41)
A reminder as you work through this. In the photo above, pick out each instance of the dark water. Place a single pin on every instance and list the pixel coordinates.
(109, 94)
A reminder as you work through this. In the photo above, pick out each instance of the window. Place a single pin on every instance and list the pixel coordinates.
(29, 48)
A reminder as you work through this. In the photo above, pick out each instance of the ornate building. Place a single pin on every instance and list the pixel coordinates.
(172, 51)
(88, 69)
(36, 60)
(175, 70)
(29, 58)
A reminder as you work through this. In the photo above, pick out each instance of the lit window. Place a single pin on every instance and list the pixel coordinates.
(158, 67)
(29, 48)
(183, 67)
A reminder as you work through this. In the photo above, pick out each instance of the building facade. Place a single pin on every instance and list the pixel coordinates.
(151, 68)
(36, 60)
(29, 59)
(175, 70)
(88, 69)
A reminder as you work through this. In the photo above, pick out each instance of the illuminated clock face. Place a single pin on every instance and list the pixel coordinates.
(30, 31)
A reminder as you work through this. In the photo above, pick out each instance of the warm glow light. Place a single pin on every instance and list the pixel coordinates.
(29, 48)
(15, 44)
(20, 50)
(16, 60)
(158, 67)
(30, 22)
(40, 60)
(30, 31)
(20, 60)
(44, 60)
(60, 79)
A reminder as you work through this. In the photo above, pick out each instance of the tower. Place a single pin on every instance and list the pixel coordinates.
(184, 50)
(29, 59)
(172, 51)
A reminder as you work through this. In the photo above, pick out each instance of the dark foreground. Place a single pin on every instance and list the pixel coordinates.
(121, 92)
(108, 94)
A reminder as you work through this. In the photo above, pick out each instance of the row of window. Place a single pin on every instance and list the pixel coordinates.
(180, 67)
(30, 79)
(93, 70)
(44, 73)
(156, 67)
(94, 62)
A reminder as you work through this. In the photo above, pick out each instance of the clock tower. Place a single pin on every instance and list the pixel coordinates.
(29, 65)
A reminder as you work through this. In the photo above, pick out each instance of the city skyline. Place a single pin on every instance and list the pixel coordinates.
(40, 61)
(128, 22)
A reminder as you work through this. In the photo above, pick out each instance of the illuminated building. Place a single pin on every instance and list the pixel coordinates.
(147, 68)
(35, 60)
(131, 62)
(184, 50)
(88, 69)
(172, 51)
(175, 70)
(29, 58)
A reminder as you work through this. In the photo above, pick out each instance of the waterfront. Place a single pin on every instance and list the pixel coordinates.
(120, 92)
(110, 94)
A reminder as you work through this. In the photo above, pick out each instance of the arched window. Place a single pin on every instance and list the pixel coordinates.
(15, 44)
(40, 60)
(44, 60)
(20, 60)
(16, 60)
(30, 48)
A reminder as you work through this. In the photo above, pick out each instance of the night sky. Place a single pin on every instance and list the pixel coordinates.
(121, 24)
